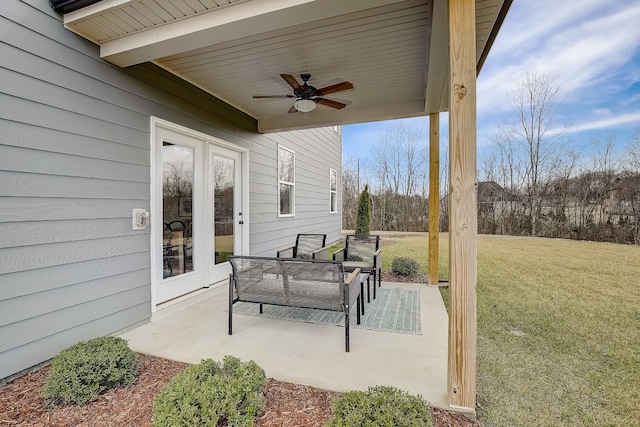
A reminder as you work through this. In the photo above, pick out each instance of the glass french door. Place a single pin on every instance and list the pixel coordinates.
(197, 221)
(227, 221)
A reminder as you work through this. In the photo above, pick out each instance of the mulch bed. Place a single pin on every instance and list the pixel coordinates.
(390, 276)
(287, 404)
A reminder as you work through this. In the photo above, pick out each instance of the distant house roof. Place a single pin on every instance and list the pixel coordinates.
(627, 187)
(492, 192)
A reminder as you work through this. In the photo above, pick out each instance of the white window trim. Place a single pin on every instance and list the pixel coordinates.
(332, 191)
(292, 184)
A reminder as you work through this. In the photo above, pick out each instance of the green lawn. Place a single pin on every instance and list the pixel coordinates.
(558, 329)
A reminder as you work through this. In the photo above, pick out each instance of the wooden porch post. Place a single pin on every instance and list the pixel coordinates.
(463, 207)
(434, 197)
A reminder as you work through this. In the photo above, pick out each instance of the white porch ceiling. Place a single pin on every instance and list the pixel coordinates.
(394, 52)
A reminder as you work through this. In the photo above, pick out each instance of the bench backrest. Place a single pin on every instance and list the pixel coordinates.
(289, 281)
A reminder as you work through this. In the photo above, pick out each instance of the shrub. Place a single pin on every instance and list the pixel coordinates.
(81, 372)
(403, 266)
(211, 393)
(363, 219)
(379, 406)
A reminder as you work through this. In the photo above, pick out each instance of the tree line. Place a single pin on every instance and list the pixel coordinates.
(532, 180)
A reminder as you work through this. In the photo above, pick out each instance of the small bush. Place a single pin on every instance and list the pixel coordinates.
(403, 266)
(211, 393)
(379, 406)
(81, 372)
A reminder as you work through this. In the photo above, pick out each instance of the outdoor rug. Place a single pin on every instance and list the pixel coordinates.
(394, 310)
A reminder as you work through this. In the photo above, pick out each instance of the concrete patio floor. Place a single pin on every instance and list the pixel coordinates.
(305, 353)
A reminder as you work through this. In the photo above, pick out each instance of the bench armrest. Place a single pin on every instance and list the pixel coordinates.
(321, 253)
(284, 252)
(354, 274)
(377, 258)
(352, 288)
(338, 255)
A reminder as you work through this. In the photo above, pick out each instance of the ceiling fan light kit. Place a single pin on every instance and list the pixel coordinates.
(305, 105)
(307, 96)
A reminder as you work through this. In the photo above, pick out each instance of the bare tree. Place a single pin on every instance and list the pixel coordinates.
(633, 152)
(606, 164)
(633, 192)
(350, 193)
(562, 195)
(532, 143)
(399, 165)
(177, 179)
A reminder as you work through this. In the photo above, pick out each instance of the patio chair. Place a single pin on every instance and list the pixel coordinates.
(308, 246)
(177, 248)
(362, 251)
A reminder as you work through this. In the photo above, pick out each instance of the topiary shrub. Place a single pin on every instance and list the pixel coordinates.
(211, 394)
(81, 372)
(379, 406)
(363, 218)
(406, 267)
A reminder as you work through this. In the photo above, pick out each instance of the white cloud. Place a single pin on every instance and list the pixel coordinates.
(621, 120)
(585, 54)
(585, 48)
(529, 23)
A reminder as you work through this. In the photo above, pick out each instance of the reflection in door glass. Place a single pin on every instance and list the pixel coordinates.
(223, 173)
(177, 215)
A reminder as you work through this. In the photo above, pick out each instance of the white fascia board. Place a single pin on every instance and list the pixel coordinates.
(94, 9)
(316, 118)
(437, 85)
(231, 23)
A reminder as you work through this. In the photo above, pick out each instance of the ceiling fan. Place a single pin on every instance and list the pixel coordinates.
(308, 96)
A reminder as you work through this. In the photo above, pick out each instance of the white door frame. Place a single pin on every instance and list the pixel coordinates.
(156, 202)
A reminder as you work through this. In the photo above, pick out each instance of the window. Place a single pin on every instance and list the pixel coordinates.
(333, 191)
(286, 181)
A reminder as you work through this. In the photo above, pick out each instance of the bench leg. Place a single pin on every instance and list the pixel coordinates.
(361, 298)
(346, 328)
(260, 308)
(369, 293)
(360, 303)
(374, 284)
(230, 306)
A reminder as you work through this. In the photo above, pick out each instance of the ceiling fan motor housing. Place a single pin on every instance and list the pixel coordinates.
(305, 91)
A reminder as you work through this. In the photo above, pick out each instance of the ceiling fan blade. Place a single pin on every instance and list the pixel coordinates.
(291, 80)
(334, 88)
(293, 109)
(330, 103)
(273, 96)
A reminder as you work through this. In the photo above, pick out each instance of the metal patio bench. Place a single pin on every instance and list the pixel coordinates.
(315, 284)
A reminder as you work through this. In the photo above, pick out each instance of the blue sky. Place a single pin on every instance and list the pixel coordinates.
(590, 49)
